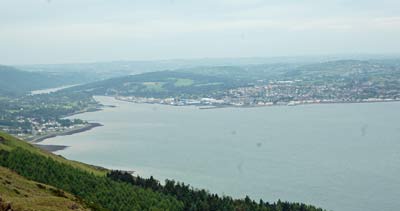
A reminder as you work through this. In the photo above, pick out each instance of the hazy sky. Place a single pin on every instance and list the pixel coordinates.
(60, 31)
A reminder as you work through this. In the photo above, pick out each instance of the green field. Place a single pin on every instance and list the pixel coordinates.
(180, 82)
(154, 86)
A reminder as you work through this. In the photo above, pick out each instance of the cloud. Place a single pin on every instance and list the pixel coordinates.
(159, 28)
(286, 27)
(387, 21)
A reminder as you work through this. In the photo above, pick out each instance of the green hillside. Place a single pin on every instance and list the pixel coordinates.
(9, 143)
(82, 180)
(22, 194)
(160, 84)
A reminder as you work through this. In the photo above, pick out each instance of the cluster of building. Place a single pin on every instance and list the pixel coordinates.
(289, 93)
(297, 92)
(172, 101)
(32, 127)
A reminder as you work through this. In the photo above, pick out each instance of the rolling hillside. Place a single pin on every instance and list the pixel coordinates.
(14, 81)
(160, 84)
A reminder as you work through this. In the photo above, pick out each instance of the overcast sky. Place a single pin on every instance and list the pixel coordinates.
(62, 31)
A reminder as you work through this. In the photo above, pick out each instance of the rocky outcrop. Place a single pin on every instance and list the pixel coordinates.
(5, 206)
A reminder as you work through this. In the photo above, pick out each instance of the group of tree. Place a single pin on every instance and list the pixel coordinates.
(200, 199)
(120, 190)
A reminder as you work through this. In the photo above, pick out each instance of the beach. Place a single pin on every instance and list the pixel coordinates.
(53, 148)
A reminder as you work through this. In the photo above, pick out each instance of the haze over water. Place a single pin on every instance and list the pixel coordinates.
(343, 157)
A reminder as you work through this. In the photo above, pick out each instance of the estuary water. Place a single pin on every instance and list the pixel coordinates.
(50, 90)
(343, 157)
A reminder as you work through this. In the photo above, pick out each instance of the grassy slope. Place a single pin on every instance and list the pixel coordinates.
(126, 197)
(24, 194)
(11, 142)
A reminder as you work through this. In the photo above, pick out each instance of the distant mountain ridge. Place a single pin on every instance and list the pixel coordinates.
(16, 82)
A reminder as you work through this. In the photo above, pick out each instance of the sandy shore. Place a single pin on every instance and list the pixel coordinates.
(65, 133)
(51, 148)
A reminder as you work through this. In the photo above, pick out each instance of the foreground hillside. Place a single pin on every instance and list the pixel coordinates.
(9, 143)
(18, 193)
(98, 189)
(84, 181)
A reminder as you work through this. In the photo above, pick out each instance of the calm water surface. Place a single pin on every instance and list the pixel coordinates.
(343, 157)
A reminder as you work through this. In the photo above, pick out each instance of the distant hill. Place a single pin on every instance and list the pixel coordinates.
(160, 84)
(15, 81)
(105, 70)
(185, 82)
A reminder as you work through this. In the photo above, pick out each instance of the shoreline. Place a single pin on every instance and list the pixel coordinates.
(206, 107)
(51, 148)
(300, 104)
(87, 127)
(84, 111)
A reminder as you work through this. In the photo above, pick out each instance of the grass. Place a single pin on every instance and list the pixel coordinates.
(24, 194)
(180, 82)
(154, 86)
(210, 84)
(12, 143)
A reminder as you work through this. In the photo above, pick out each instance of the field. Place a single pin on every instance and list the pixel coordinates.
(183, 82)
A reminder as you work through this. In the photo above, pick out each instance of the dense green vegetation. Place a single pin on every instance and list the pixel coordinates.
(195, 199)
(8, 143)
(119, 191)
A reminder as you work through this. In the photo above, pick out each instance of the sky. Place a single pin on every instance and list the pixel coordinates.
(70, 31)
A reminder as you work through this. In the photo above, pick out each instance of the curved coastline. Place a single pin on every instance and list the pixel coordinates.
(53, 148)
(87, 127)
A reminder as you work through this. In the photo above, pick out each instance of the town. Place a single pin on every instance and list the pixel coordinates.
(289, 93)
